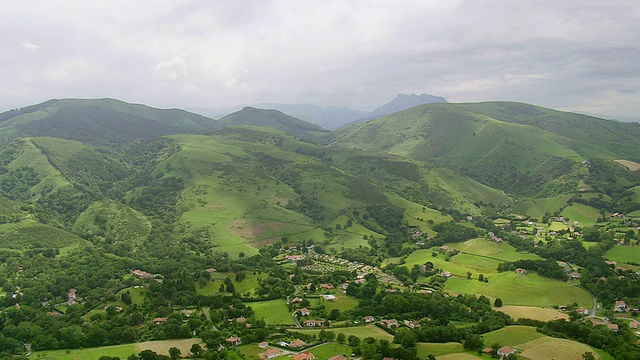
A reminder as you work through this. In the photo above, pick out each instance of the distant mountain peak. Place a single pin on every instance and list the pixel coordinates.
(404, 101)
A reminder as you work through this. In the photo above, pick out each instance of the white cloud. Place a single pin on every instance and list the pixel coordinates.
(30, 47)
(172, 69)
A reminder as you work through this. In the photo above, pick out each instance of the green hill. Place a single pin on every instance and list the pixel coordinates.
(273, 119)
(523, 149)
(100, 121)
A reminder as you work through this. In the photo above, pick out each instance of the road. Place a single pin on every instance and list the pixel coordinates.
(206, 315)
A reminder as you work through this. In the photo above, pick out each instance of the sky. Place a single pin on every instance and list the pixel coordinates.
(574, 55)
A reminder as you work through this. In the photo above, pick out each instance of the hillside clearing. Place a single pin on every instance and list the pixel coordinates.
(532, 312)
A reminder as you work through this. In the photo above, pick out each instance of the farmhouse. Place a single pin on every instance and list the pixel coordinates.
(160, 320)
(521, 271)
(233, 340)
(633, 325)
(621, 306)
(141, 274)
(271, 353)
(506, 351)
(613, 327)
(326, 286)
(304, 356)
(445, 274)
(297, 343)
(263, 345)
(296, 300)
(318, 322)
(294, 257)
(329, 297)
(369, 319)
(390, 323)
(412, 323)
(304, 312)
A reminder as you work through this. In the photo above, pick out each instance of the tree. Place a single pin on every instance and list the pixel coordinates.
(341, 338)
(588, 356)
(196, 350)
(497, 302)
(126, 297)
(469, 274)
(175, 353)
(481, 277)
(353, 340)
(473, 342)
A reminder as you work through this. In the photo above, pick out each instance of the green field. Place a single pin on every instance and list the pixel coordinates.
(483, 247)
(530, 290)
(538, 207)
(274, 312)
(360, 331)
(326, 351)
(458, 265)
(512, 336)
(121, 351)
(438, 350)
(623, 254)
(584, 214)
(343, 303)
(552, 348)
(246, 286)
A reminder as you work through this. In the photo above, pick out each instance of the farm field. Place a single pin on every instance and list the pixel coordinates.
(483, 247)
(360, 331)
(246, 286)
(584, 214)
(460, 356)
(530, 290)
(538, 207)
(343, 303)
(531, 312)
(274, 312)
(512, 335)
(552, 348)
(457, 266)
(121, 351)
(328, 350)
(623, 254)
(438, 350)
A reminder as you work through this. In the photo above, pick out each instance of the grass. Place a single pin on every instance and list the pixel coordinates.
(629, 165)
(532, 312)
(530, 290)
(512, 336)
(623, 254)
(29, 234)
(584, 214)
(328, 350)
(459, 265)
(552, 348)
(274, 312)
(459, 356)
(121, 351)
(343, 303)
(434, 349)
(246, 286)
(360, 331)
(492, 249)
(538, 207)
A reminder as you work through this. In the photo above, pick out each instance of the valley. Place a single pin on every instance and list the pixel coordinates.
(442, 230)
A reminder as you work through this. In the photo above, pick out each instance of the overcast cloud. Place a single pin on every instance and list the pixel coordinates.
(571, 55)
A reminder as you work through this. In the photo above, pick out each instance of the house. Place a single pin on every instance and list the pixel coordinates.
(329, 297)
(369, 319)
(574, 275)
(583, 311)
(263, 345)
(53, 313)
(294, 258)
(304, 356)
(633, 325)
(141, 274)
(233, 340)
(412, 323)
(506, 351)
(241, 320)
(304, 312)
(445, 274)
(296, 300)
(338, 357)
(521, 271)
(313, 323)
(71, 297)
(621, 306)
(445, 248)
(211, 270)
(186, 313)
(487, 351)
(613, 327)
(160, 320)
(390, 323)
(297, 343)
(272, 353)
(326, 286)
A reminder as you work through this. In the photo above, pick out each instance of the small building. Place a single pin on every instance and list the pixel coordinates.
(329, 297)
(296, 300)
(304, 356)
(445, 274)
(160, 320)
(613, 327)
(487, 351)
(141, 274)
(506, 351)
(369, 319)
(621, 306)
(583, 311)
(391, 323)
(314, 323)
(272, 353)
(263, 345)
(521, 271)
(412, 323)
(297, 343)
(186, 313)
(211, 270)
(305, 312)
(233, 340)
(633, 325)
(326, 286)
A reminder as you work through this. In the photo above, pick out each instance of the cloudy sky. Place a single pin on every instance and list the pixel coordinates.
(579, 55)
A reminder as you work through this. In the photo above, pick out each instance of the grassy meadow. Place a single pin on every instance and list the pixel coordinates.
(121, 351)
(483, 247)
(360, 331)
(532, 312)
(623, 254)
(273, 312)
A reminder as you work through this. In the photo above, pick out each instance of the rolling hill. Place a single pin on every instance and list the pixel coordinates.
(523, 149)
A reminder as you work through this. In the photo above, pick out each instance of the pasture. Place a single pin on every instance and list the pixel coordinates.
(484, 247)
(584, 214)
(343, 303)
(512, 336)
(360, 331)
(532, 312)
(458, 265)
(325, 351)
(438, 350)
(623, 254)
(246, 286)
(121, 351)
(552, 348)
(538, 207)
(274, 312)
(529, 290)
